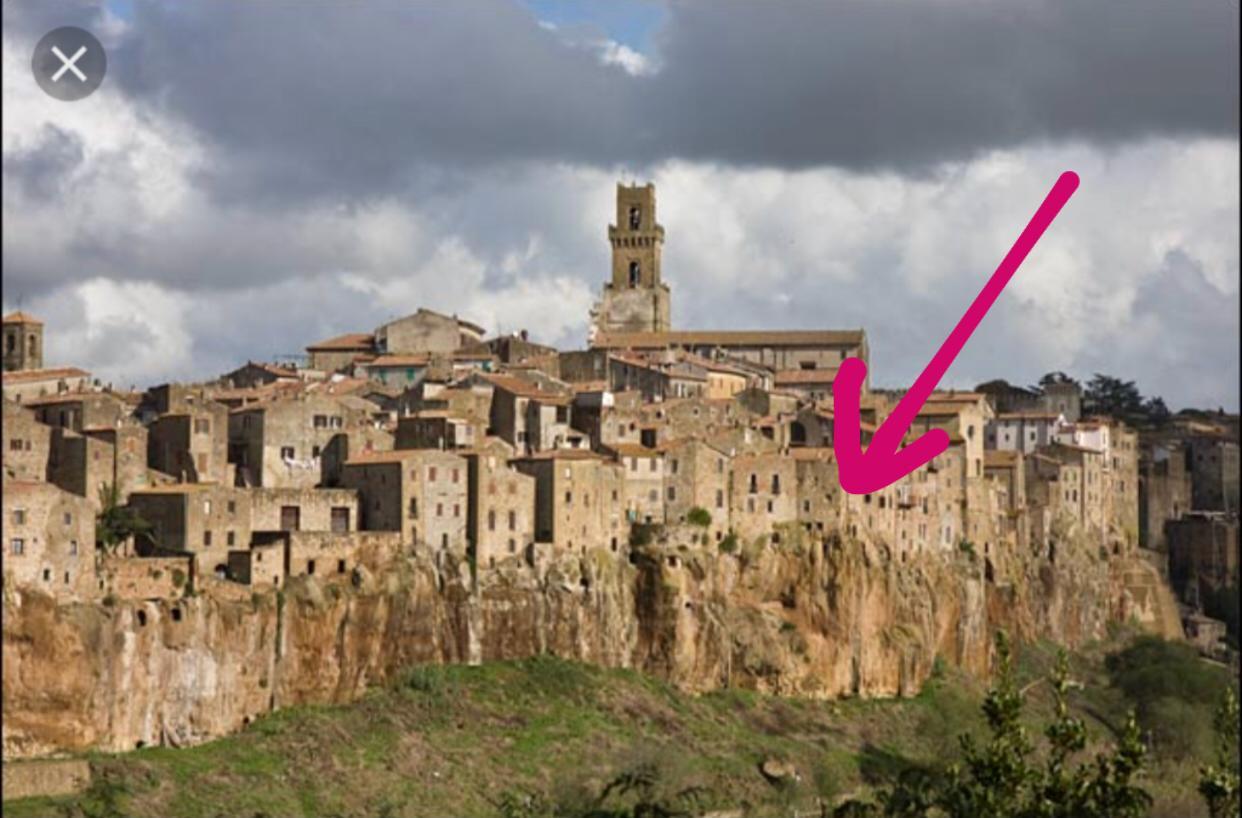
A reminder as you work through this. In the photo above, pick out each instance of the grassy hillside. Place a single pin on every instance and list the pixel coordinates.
(543, 735)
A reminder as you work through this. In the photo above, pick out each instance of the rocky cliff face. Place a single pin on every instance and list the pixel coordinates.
(823, 620)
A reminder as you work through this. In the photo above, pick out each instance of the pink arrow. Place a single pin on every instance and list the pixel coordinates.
(883, 464)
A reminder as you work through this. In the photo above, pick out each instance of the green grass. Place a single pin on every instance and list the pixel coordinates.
(458, 740)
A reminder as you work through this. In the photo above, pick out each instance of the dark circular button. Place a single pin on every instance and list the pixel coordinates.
(69, 63)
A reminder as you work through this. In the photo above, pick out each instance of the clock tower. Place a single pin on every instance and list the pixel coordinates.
(634, 299)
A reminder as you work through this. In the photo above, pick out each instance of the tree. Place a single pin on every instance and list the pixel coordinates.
(117, 523)
(1218, 782)
(1004, 777)
(1106, 395)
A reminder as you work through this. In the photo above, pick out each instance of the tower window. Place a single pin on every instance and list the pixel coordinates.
(635, 272)
(636, 217)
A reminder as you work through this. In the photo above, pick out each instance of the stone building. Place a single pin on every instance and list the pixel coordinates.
(643, 473)
(29, 384)
(1164, 490)
(192, 445)
(327, 510)
(80, 410)
(577, 500)
(205, 520)
(259, 374)
(1203, 556)
(635, 299)
(89, 463)
(23, 342)
(420, 492)
(1214, 467)
(532, 416)
(49, 540)
(341, 352)
(426, 331)
(764, 493)
(26, 444)
(500, 523)
(696, 476)
(283, 442)
(1022, 431)
(775, 349)
(437, 429)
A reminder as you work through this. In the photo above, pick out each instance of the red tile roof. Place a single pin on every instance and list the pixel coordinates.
(345, 343)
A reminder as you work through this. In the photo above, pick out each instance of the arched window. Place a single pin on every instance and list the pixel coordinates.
(636, 217)
(32, 345)
(635, 272)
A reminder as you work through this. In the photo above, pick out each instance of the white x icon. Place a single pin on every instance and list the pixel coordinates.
(68, 64)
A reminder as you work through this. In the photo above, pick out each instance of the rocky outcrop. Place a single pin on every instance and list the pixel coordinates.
(825, 620)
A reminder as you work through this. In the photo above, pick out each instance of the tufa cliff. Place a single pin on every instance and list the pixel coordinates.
(837, 619)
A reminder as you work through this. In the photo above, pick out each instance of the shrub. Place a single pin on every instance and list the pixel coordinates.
(966, 547)
(729, 544)
(178, 577)
(699, 516)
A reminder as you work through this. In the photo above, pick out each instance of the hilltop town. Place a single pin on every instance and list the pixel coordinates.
(495, 462)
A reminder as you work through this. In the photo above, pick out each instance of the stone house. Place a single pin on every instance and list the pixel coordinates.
(49, 540)
(341, 352)
(1023, 431)
(80, 410)
(87, 463)
(643, 473)
(281, 443)
(30, 384)
(426, 331)
(810, 384)
(192, 445)
(696, 475)
(764, 494)
(501, 520)
(607, 417)
(577, 499)
(26, 444)
(437, 429)
(259, 565)
(259, 374)
(205, 520)
(1164, 489)
(421, 493)
(398, 371)
(1214, 477)
(532, 415)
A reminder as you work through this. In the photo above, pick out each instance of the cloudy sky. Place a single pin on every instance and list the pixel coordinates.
(252, 177)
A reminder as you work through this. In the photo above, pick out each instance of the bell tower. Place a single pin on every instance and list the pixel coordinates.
(635, 299)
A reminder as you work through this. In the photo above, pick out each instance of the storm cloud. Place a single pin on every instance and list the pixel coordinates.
(256, 176)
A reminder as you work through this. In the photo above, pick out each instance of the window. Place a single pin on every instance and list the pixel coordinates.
(17, 547)
(230, 538)
(206, 539)
(636, 217)
(455, 475)
(653, 496)
(439, 509)
(569, 498)
(73, 548)
(207, 508)
(776, 484)
(456, 509)
(202, 426)
(286, 452)
(232, 506)
(15, 445)
(719, 498)
(315, 451)
(431, 474)
(754, 484)
(635, 273)
(340, 566)
(655, 464)
(19, 516)
(414, 507)
(340, 519)
(310, 566)
(672, 494)
(512, 521)
(491, 520)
